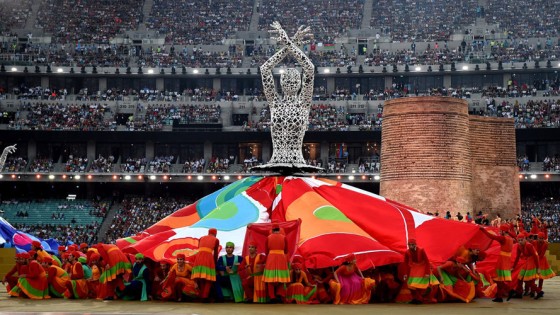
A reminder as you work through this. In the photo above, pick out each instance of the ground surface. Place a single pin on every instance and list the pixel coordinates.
(549, 304)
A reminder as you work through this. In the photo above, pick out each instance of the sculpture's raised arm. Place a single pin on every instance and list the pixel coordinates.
(266, 68)
(306, 93)
(7, 150)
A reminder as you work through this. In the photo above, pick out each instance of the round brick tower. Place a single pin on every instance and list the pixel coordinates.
(425, 154)
(494, 167)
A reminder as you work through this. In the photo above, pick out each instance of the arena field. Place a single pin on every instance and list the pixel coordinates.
(549, 304)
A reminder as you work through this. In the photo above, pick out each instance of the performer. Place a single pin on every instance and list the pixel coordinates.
(229, 281)
(503, 265)
(541, 245)
(455, 281)
(419, 272)
(178, 282)
(96, 271)
(139, 287)
(116, 266)
(204, 267)
(276, 270)
(56, 276)
(528, 259)
(33, 284)
(300, 290)
(39, 251)
(159, 274)
(76, 287)
(11, 278)
(253, 284)
(349, 285)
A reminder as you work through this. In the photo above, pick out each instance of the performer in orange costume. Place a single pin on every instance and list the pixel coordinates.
(76, 287)
(503, 266)
(204, 266)
(276, 268)
(252, 268)
(178, 281)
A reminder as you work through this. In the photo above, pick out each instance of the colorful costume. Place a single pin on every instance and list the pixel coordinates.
(229, 283)
(419, 272)
(178, 282)
(139, 286)
(528, 260)
(57, 278)
(77, 287)
(503, 265)
(454, 282)
(34, 285)
(351, 287)
(276, 267)
(117, 265)
(300, 290)
(253, 284)
(204, 266)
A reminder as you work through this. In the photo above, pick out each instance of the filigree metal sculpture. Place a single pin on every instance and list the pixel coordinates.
(7, 150)
(290, 111)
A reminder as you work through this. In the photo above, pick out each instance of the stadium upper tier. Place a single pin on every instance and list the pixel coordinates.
(223, 33)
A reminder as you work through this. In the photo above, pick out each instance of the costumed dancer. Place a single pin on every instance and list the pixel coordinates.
(252, 266)
(158, 275)
(419, 274)
(34, 283)
(204, 266)
(178, 283)
(455, 281)
(116, 266)
(229, 281)
(11, 278)
(541, 245)
(300, 290)
(139, 287)
(503, 265)
(77, 286)
(276, 271)
(96, 270)
(528, 259)
(56, 276)
(349, 285)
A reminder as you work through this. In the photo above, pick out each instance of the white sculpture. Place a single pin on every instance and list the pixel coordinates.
(7, 150)
(290, 111)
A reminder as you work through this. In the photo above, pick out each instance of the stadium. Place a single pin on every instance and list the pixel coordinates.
(123, 112)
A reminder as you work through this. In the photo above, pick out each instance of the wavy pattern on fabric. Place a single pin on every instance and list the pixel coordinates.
(336, 220)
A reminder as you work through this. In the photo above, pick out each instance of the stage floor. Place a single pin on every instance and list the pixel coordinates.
(549, 304)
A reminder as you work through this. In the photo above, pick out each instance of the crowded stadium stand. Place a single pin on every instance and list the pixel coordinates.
(146, 102)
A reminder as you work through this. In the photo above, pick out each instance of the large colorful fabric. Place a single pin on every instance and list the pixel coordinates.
(336, 220)
(21, 241)
(34, 285)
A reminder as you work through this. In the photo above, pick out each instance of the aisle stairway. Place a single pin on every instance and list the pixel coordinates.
(106, 225)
